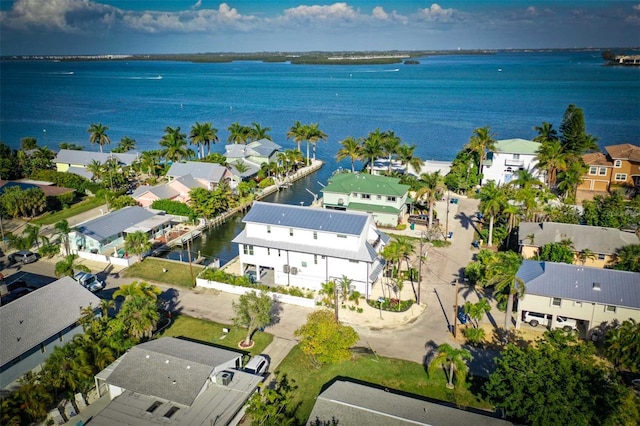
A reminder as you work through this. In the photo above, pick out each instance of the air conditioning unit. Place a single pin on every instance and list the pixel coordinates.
(294, 270)
(285, 269)
(340, 202)
(223, 378)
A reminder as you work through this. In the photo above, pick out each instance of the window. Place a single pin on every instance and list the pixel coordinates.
(291, 232)
(342, 236)
(353, 261)
(278, 252)
(621, 176)
(516, 156)
(315, 235)
(171, 412)
(610, 308)
(556, 301)
(323, 257)
(577, 304)
(617, 164)
(268, 251)
(268, 229)
(392, 199)
(304, 264)
(366, 196)
(378, 197)
(354, 195)
(315, 259)
(154, 407)
(601, 256)
(248, 249)
(602, 171)
(593, 170)
(43, 349)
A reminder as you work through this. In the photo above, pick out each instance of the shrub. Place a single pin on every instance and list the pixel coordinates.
(391, 304)
(266, 182)
(174, 207)
(474, 335)
(214, 274)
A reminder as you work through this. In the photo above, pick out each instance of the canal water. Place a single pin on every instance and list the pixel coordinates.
(215, 243)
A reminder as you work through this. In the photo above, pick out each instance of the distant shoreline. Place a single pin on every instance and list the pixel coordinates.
(302, 58)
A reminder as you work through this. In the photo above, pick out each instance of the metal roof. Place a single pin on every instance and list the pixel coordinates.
(210, 172)
(595, 238)
(346, 403)
(41, 314)
(348, 183)
(71, 156)
(517, 146)
(113, 223)
(264, 147)
(617, 288)
(349, 223)
(169, 368)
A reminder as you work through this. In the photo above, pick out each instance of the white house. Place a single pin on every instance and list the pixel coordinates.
(307, 246)
(250, 156)
(174, 382)
(34, 324)
(510, 156)
(591, 295)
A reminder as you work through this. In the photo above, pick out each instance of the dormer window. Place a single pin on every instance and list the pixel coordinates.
(617, 164)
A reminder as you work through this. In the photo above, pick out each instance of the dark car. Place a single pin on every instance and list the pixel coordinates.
(23, 256)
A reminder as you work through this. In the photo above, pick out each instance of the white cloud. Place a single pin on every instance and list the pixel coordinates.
(379, 13)
(336, 11)
(436, 13)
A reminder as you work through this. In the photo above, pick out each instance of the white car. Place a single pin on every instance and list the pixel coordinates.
(89, 281)
(535, 318)
(257, 365)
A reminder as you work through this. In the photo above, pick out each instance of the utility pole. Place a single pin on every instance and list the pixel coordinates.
(190, 265)
(420, 266)
(455, 312)
(446, 232)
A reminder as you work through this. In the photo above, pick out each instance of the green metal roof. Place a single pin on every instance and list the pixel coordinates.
(363, 183)
(373, 208)
(517, 146)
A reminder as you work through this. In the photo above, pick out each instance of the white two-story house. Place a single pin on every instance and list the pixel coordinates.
(381, 196)
(306, 246)
(510, 156)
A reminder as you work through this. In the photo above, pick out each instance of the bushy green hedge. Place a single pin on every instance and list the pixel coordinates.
(391, 305)
(214, 274)
(66, 180)
(174, 207)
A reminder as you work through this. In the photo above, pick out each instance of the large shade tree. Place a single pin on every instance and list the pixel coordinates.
(252, 311)
(325, 339)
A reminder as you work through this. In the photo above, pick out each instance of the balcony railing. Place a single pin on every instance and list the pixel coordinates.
(513, 162)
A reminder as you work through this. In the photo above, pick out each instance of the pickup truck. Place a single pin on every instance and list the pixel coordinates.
(89, 281)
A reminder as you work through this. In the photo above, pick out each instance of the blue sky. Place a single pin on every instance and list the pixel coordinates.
(179, 26)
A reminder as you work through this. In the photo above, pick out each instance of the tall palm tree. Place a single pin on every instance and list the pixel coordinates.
(546, 133)
(68, 266)
(431, 188)
(392, 254)
(372, 148)
(98, 134)
(406, 155)
(513, 218)
(551, 159)
(126, 144)
(492, 202)
(570, 178)
(351, 149)
(480, 142)
(96, 170)
(28, 143)
(175, 145)
(390, 145)
(314, 135)
(297, 132)
(149, 161)
(62, 230)
(238, 133)
(505, 280)
(257, 132)
(454, 358)
(202, 135)
(137, 243)
(32, 232)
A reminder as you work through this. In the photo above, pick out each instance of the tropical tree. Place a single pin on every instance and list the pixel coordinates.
(96, 170)
(33, 395)
(622, 345)
(126, 144)
(562, 252)
(372, 148)
(627, 258)
(137, 243)
(454, 359)
(546, 133)
(328, 291)
(150, 161)
(98, 134)
(477, 310)
(324, 339)
(350, 149)
(574, 138)
(492, 203)
(271, 406)
(175, 145)
(551, 159)
(31, 232)
(297, 132)
(138, 315)
(406, 156)
(252, 311)
(431, 189)
(570, 178)
(28, 143)
(390, 145)
(238, 134)
(257, 132)
(480, 142)
(585, 255)
(68, 266)
(504, 280)
(202, 135)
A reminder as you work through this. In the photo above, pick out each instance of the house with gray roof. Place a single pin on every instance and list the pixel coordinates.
(592, 296)
(174, 381)
(208, 174)
(600, 241)
(347, 403)
(73, 161)
(36, 323)
(251, 156)
(176, 189)
(510, 157)
(307, 246)
(102, 239)
(384, 197)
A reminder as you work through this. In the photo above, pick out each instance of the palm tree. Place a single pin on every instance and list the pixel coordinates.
(298, 133)
(32, 232)
(431, 187)
(513, 218)
(390, 145)
(406, 248)
(571, 178)
(492, 202)
(34, 396)
(257, 132)
(372, 148)
(314, 135)
(202, 135)
(350, 149)
(505, 280)
(481, 141)
(454, 358)
(551, 159)
(175, 145)
(98, 134)
(546, 133)
(407, 158)
(62, 230)
(241, 166)
(137, 243)
(126, 144)
(28, 143)
(627, 258)
(149, 161)
(238, 133)
(68, 266)
(584, 255)
(96, 170)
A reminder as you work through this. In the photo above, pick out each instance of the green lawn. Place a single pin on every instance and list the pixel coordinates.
(81, 207)
(392, 373)
(152, 269)
(211, 332)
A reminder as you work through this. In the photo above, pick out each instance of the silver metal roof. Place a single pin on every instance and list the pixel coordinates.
(35, 317)
(113, 223)
(210, 172)
(349, 223)
(71, 156)
(617, 288)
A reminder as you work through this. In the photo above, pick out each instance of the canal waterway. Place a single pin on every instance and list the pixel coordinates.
(216, 242)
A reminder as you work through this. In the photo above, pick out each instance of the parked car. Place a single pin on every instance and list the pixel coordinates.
(258, 365)
(89, 281)
(535, 318)
(253, 276)
(23, 256)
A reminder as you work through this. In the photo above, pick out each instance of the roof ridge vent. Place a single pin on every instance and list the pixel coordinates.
(596, 286)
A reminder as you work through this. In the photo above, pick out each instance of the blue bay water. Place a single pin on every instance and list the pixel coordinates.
(435, 105)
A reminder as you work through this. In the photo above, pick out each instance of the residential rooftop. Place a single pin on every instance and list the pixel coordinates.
(113, 223)
(517, 146)
(364, 183)
(625, 151)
